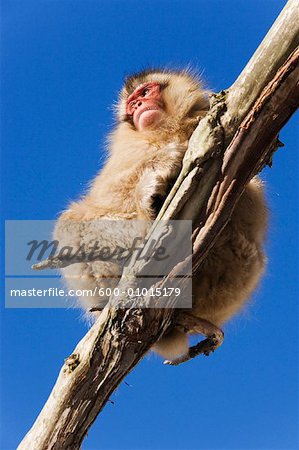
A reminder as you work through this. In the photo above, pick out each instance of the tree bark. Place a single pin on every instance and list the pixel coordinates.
(231, 144)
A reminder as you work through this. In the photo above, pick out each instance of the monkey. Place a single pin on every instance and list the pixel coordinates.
(156, 114)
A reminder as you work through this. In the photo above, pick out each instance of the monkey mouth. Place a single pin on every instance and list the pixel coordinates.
(139, 113)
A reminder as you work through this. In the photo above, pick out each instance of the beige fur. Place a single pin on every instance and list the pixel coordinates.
(143, 164)
(232, 268)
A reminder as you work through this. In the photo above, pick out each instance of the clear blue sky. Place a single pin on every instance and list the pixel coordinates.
(62, 65)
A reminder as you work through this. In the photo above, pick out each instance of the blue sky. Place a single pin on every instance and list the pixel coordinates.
(63, 63)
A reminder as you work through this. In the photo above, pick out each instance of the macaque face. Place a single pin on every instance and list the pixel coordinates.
(145, 106)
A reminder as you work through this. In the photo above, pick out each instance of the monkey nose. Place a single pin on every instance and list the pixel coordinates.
(138, 103)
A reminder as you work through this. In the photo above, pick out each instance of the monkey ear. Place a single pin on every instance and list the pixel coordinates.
(194, 110)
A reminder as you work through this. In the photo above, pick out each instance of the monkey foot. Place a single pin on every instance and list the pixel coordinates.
(214, 338)
(204, 347)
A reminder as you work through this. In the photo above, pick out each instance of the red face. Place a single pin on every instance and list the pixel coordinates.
(145, 105)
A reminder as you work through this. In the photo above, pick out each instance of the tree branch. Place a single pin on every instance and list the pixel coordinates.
(230, 145)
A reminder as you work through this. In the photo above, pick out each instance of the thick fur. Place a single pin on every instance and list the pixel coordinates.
(141, 165)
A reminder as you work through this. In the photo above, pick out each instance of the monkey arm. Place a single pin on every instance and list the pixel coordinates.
(89, 229)
(150, 193)
(157, 179)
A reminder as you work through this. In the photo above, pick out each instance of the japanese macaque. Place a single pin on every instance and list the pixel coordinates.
(156, 114)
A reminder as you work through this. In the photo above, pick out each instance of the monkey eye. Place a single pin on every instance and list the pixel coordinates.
(145, 91)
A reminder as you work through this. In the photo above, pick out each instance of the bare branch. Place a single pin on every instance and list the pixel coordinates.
(249, 151)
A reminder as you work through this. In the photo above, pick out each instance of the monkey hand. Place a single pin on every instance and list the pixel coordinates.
(151, 192)
(156, 182)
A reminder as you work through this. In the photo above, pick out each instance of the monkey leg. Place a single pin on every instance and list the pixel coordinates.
(190, 324)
